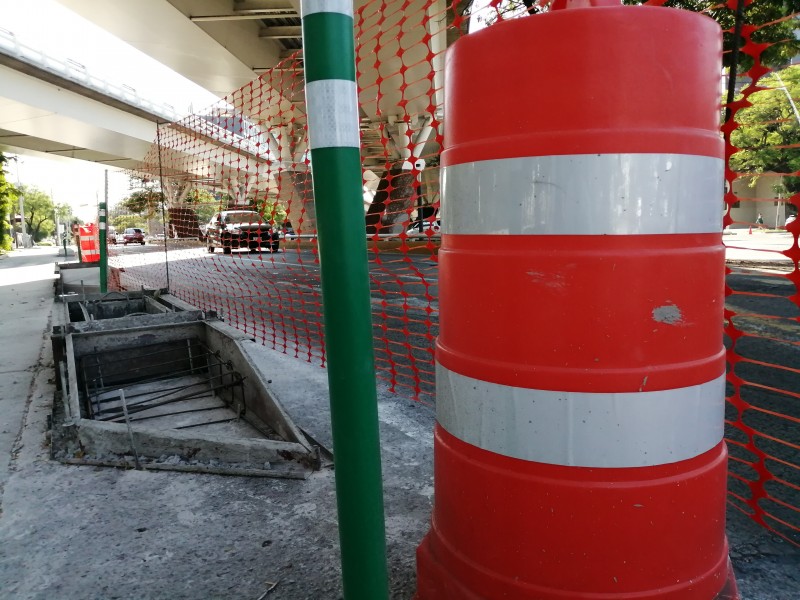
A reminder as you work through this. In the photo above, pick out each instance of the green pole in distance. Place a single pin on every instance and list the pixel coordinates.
(332, 109)
(103, 249)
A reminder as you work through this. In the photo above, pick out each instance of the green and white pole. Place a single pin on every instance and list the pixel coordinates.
(101, 211)
(332, 109)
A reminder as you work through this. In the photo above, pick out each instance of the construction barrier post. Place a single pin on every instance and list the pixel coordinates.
(578, 450)
(103, 247)
(334, 140)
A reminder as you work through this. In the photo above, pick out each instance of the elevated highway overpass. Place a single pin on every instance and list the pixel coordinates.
(223, 45)
(42, 112)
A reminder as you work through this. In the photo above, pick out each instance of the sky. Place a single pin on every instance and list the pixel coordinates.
(78, 183)
(48, 26)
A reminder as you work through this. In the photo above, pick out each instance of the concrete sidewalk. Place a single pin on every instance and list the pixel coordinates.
(26, 295)
(69, 532)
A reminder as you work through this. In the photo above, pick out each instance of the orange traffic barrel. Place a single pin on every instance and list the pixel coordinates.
(89, 245)
(580, 376)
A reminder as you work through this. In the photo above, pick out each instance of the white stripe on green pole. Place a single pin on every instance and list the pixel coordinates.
(332, 108)
(103, 247)
(103, 241)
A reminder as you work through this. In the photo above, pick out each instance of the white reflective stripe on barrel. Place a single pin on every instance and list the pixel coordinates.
(584, 194)
(632, 429)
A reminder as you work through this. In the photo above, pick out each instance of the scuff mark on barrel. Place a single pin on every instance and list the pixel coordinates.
(553, 281)
(669, 314)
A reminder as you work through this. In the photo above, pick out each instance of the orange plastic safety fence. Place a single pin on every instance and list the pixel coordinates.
(762, 133)
(225, 202)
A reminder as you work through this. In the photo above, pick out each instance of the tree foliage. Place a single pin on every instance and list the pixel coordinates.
(146, 202)
(768, 136)
(39, 212)
(8, 194)
(204, 202)
(64, 213)
(124, 221)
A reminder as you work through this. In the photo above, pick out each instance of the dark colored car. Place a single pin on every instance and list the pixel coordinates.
(231, 229)
(133, 235)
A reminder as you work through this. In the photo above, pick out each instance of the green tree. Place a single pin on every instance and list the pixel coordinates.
(768, 137)
(39, 212)
(144, 202)
(124, 221)
(204, 204)
(273, 211)
(63, 213)
(8, 194)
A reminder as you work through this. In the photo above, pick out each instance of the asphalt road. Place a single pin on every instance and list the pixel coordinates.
(764, 411)
(277, 298)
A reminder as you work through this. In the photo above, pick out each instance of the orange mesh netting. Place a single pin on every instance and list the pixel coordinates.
(762, 135)
(225, 199)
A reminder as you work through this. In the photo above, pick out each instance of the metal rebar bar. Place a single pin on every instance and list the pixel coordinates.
(170, 375)
(88, 398)
(125, 359)
(62, 371)
(207, 423)
(141, 407)
(181, 412)
(166, 392)
(170, 347)
(84, 311)
(130, 430)
(165, 377)
(100, 371)
(189, 353)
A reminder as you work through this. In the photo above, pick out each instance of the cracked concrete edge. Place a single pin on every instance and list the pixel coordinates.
(112, 438)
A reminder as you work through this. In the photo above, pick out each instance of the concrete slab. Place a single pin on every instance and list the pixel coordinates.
(172, 367)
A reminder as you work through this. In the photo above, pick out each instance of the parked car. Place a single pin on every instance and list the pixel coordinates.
(111, 235)
(133, 235)
(231, 229)
(433, 227)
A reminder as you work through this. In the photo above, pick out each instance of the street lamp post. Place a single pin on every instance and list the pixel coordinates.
(788, 97)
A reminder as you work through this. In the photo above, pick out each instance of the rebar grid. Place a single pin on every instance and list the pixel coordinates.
(217, 377)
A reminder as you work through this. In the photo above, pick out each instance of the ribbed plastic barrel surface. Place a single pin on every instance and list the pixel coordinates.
(580, 366)
(88, 240)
